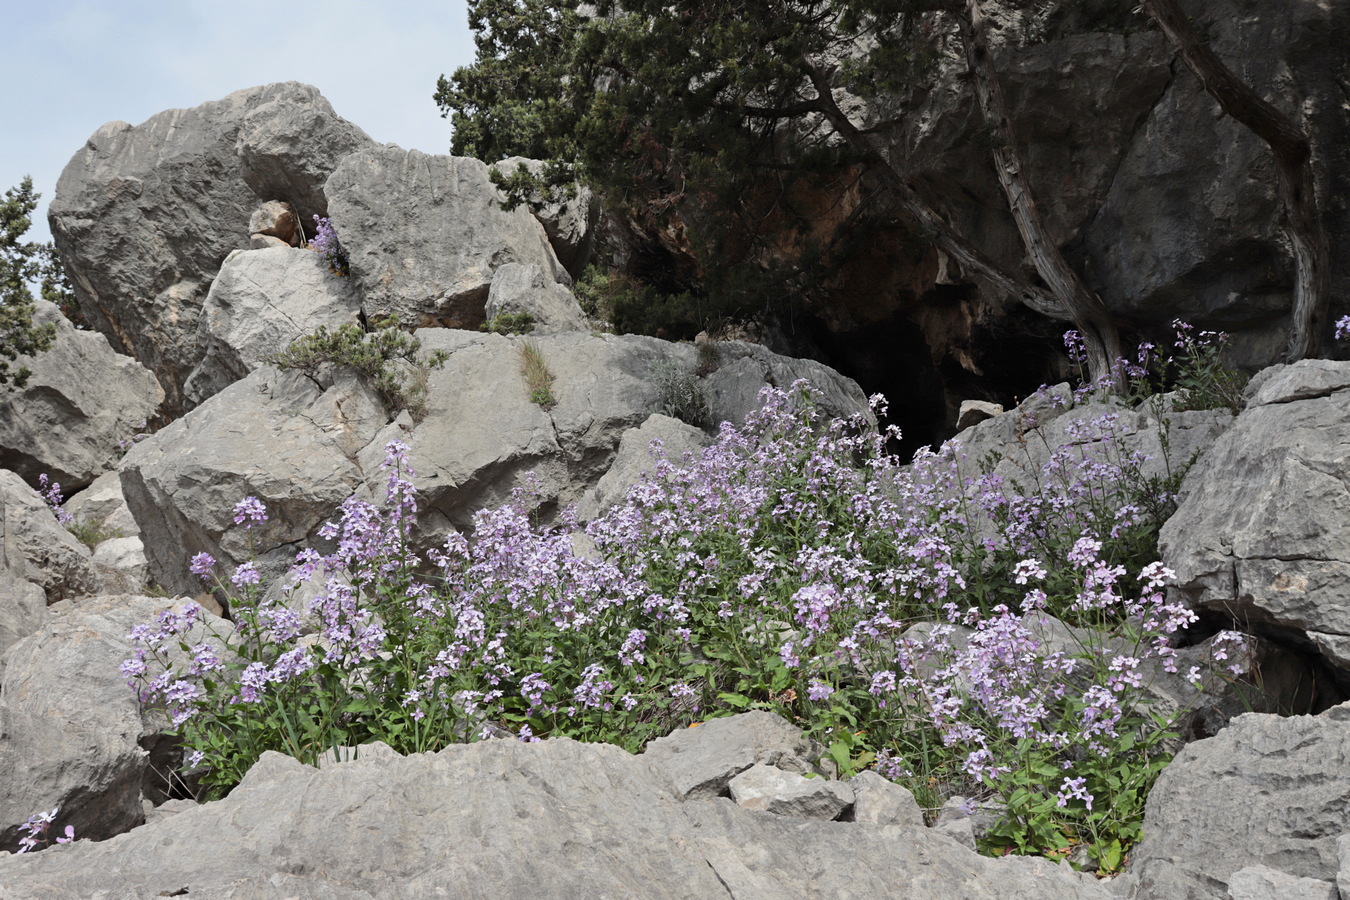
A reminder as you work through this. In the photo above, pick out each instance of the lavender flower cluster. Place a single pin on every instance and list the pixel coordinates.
(326, 244)
(783, 568)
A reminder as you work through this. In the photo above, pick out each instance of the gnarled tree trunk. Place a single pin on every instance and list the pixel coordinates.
(1293, 167)
(1085, 308)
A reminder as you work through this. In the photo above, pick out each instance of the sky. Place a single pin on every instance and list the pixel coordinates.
(72, 66)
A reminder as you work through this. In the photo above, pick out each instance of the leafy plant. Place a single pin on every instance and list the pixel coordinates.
(375, 355)
(793, 567)
(683, 395)
(510, 323)
(20, 263)
(538, 378)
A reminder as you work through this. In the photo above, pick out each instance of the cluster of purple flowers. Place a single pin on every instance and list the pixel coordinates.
(35, 830)
(784, 567)
(325, 243)
(50, 491)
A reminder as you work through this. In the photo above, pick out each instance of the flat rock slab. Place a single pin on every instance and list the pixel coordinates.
(555, 819)
(701, 761)
(771, 789)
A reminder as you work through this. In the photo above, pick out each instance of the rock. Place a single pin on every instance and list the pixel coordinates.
(34, 546)
(1280, 558)
(102, 505)
(571, 223)
(143, 216)
(554, 819)
(524, 289)
(877, 801)
(743, 369)
(1343, 869)
(273, 435)
(261, 301)
(636, 457)
(975, 411)
(82, 399)
(701, 761)
(72, 730)
(1265, 791)
(122, 566)
(1263, 883)
(23, 610)
(426, 234)
(276, 219)
(773, 790)
(303, 448)
(965, 821)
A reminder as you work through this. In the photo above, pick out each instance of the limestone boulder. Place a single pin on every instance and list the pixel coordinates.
(302, 448)
(82, 400)
(35, 547)
(1262, 533)
(637, 456)
(1266, 791)
(144, 215)
(525, 290)
(555, 819)
(73, 733)
(23, 610)
(102, 506)
(739, 370)
(259, 303)
(276, 219)
(570, 220)
(425, 235)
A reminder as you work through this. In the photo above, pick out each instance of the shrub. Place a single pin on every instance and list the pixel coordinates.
(782, 570)
(510, 323)
(374, 355)
(683, 395)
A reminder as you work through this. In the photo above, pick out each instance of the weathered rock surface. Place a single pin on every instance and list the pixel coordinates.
(635, 458)
(1262, 533)
(1265, 791)
(35, 547)
(782, 793)
(1263, 883)
(71, 731)
(273, 435)
(426, 234)
(143, 216)
(275, 219)
(82, 399)
(502, 818)
(570, 222)
(525, 289)
(742, 370)
(23, 610)
(102, 504)
(261, 301)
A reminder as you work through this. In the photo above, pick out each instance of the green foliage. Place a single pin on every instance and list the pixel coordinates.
(510, 323)
(634, 307)
(683, 395)
(91, 534)
(22, 262)
(699, 118)
(376, 356)
(538, 378)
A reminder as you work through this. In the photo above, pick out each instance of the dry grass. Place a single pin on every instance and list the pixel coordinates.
(537, 376)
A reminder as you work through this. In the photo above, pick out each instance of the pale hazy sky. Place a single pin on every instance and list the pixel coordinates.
(71, 66)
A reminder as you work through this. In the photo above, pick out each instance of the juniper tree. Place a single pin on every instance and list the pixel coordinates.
(661, 103)
(22, 263)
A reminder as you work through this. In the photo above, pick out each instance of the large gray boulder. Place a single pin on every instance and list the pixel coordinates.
(261, 301)
(525, 290)
(555, 819)
(23, 610)
(35, 547)
(1263, 533)
(303, 448)
(144, 215)
(72, 733)
(426, 234)
(82, 400)
(276, 436)
(1266, 791)
(635, 458)
(571, 222)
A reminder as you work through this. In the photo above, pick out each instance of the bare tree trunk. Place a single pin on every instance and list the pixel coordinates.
(1293, 167)
(1085, 308)
(921, 213)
